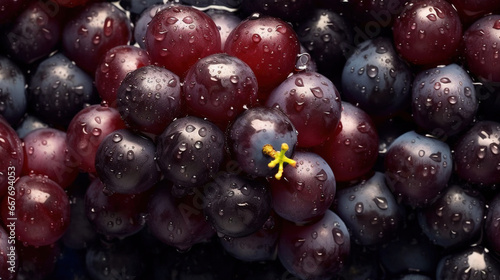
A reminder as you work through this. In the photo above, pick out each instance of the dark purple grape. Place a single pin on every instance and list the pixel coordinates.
(444, 100)
(225, 22)
(427, 32)
(352, 149)
(58, 90)
(376, 78)
(177, 222)
(252, 130)
(480, 48)
(219, 87)
(115, 215)
(126, 162)
(492, 224)
(477, 154)
(149, 98)
(34, 34)
(471, 10)
(190, 151)
(306, 191)
(327, 37)
(369, 210)
(259, 246)
(473, 263)
(12, 91)
(316, 250)
(94, 30)
(124, 259)
(235, 205)
(410, 251)
(311, 102)
(455, 218)
(363, 264)
(417, 168)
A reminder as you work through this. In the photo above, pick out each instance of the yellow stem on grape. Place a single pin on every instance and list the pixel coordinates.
(279, 158)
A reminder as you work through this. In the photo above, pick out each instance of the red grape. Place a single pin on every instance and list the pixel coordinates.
(12, 155)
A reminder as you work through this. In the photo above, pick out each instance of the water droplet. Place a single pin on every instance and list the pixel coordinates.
(338, 236)
(314, 234)
(496, 25)
(317, 92)
(299, 82)
(452, 100)
(299, 185)
(108, 27)
(130, 155)
(299, 105)
(494, 148)
(481, 153)
(198, 145)
(432, 17)
(437, 85)
(281, 29)
(361, 71)
(96, 131)
(468, 226)
(436, 157)
(221, 212)
(117, 137)
(359, 208)
(97, 39)
(188, 20)
(381, 202)
(256, 38)
(381, 49)
(372, 71)
(190, 128)
(234, 79)
(326, 38)
(171, 20)
(299, 242)
(322, 176)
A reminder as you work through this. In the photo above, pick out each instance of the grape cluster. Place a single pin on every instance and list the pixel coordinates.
(249, 139)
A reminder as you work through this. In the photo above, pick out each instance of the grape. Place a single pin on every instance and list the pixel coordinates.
(34, 34)
(316, 250)
(328, 38)
(178, 36)
(28, 124)
(149, 98)
(93, 31)
(252, 130)
(306, 191)
(219, 87)
(474, 262)
(480, 43)
(236, 206)
(49, 145)
(444, 100)
(116, 215)
(190, 151)
(37, 262)
(311, 102)
(86, 131)
(477, 158)
(427, 32)
(126, 162)
(141, 24)
(13, 100)
(225, 22)
(178, 222)
(376, 78)
(369, 210)
(351, 150)
(417, 168)
(455, 218)
(258, 246)
(268, 45)
(42, 208)
(114, 66)
(470, 11)
(59, 89)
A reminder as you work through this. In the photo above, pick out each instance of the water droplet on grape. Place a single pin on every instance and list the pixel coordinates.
(108, 27)
(338, 236)
(117, 137)
(381, 202)
(359, 208)
(256, 38)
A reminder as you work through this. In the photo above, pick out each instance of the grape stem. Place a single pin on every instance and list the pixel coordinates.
(279, 158)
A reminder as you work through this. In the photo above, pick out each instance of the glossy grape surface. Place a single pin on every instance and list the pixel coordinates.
(427, 32)
(268, 45)
(12, 154)
(41, 208)
(311, 102)
(417, 168)
(13, 100)
(97, 28)
(255, 128)
(178, 36)
(149, 99)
